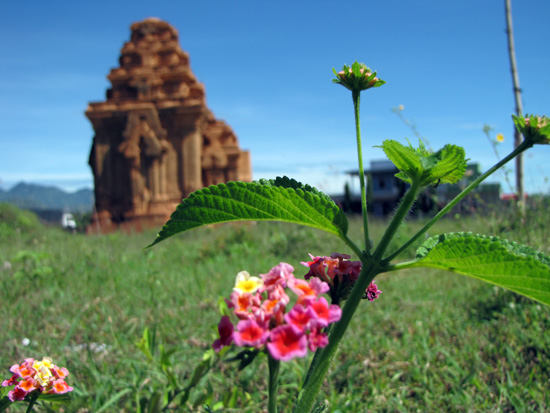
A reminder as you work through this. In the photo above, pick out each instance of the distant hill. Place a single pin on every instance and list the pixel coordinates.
(33, 196)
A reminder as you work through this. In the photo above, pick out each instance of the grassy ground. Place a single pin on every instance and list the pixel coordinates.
(433, 341)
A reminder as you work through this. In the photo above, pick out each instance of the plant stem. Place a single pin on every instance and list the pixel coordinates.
(370, 268)
(400, 266)
(32, 401)
(352, 245)
(315, 377)
(356, 105)
(521, 148)
(273, 383)
(315, 359)
(402, 211)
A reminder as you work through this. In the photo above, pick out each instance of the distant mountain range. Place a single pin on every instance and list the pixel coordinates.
(33, 196)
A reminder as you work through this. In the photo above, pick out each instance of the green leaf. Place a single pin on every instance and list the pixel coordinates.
(282, 199)
(113, 399)
(245, 357)
(65, 398)
(5, 402)
(450, 165)
(404, 158)
(420, 165)
(516, 267)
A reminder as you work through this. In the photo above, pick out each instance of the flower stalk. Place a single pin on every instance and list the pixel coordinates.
(32, 402)
(308, 394)
(356, 95)
(371, 267)
(273, 365)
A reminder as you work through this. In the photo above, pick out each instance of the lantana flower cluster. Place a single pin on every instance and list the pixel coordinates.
(260, 305)
(36, 376)
(357, 77)
(534, 128)
(340, 274)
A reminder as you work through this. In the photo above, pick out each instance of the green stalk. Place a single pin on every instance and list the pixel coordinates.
(311, 388)
(315, 359)
(371, 268)
(273, 383)
(521, 148)
(352, 245)
(402, 211)
(356, 104)
(32, 401)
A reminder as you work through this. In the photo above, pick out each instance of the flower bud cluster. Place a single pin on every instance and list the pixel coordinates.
(36, 376)
(260, 305)
(534, 128)
(340, 274)
(356, 78)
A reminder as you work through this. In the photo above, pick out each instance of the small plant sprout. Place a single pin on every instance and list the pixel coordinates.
(259, 317)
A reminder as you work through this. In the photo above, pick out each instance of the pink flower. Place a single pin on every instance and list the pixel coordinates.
(277, 276)
(278, 294)
(287, 342)
(326, 314)
(25, 369)
(59, 386)
(345, 267)
(17, 394)
(316, 266)
(271, 307)
(262, 313)
(250, 334)
(225, 330)
(28, 385)
(245, 304)
(274, 306)
(11, 381)
(326, 268)
(36, 376)
(316, 339)
(301, 317)
(60, 373)
(372, 292)
(308, 290)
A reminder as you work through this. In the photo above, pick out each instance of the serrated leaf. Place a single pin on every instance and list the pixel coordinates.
(450, 166)
(444, 166)
(516, 267)
(282, 199)
(404, 158)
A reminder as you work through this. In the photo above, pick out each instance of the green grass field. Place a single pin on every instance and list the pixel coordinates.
(433, 341)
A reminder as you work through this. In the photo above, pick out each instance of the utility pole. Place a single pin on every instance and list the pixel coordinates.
(519, 107)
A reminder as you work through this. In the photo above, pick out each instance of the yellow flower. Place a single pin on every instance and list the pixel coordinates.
(500, 137)
(43, 372)
(244, 283)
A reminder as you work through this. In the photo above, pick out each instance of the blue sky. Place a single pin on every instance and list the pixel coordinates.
(267, 68)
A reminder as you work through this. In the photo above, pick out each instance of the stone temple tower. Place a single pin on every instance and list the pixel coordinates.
(155, 139)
